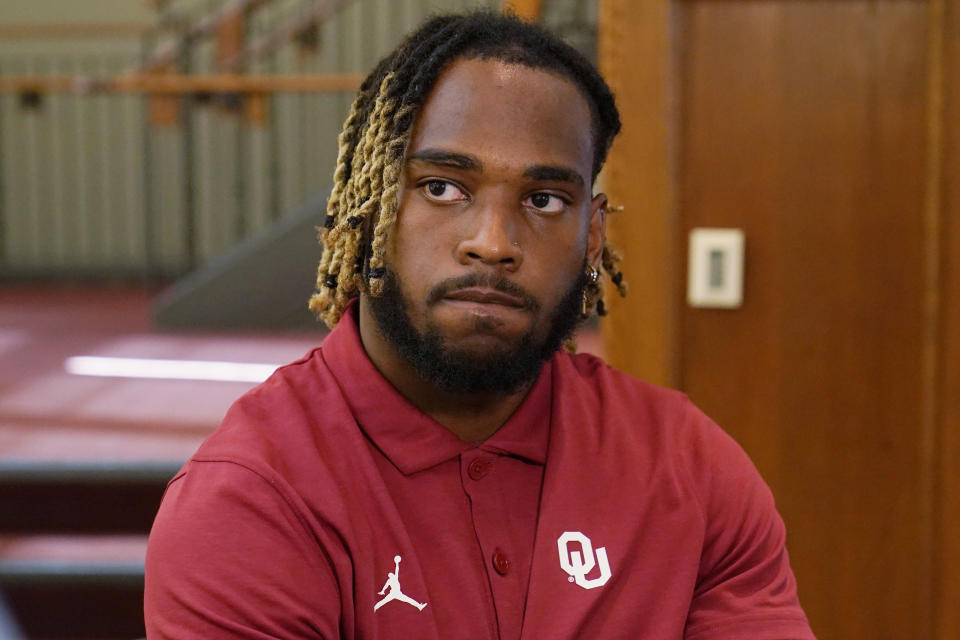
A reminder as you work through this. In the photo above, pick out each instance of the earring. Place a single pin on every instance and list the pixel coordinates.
(593, 274)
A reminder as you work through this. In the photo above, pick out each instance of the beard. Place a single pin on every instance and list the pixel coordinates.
(502, 372)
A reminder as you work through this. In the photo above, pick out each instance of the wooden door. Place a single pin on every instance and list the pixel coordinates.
(804, 125)
(825, 131)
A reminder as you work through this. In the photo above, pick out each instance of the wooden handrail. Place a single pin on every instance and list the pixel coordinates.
(31, 30)
(182, 84)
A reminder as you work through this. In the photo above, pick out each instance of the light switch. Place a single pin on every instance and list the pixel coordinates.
(715, 270)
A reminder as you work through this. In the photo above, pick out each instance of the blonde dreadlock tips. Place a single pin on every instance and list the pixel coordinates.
(365, 187)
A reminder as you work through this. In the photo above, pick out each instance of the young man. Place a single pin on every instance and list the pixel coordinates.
(526, 492)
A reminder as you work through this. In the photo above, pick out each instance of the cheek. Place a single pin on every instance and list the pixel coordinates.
(560, 265)
(411, 254)
(423, 239)
(566, 252)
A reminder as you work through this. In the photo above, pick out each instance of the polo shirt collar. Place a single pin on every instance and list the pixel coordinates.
(410, 439)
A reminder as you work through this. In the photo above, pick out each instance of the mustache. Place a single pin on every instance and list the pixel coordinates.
(490, 281)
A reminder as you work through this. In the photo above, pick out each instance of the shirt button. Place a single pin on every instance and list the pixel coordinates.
(478, 468)
(501, 563)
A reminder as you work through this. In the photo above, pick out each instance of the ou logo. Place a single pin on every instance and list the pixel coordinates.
(578, 563)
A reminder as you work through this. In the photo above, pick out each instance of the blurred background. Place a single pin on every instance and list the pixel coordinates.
(163, 164)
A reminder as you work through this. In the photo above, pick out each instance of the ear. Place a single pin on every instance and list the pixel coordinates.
(597, 231)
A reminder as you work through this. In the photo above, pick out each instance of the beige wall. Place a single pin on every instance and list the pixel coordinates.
(12, 11)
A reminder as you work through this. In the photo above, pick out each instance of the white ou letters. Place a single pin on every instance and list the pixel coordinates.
(579, 562)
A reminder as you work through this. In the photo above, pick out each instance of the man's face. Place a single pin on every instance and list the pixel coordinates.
(495, 227)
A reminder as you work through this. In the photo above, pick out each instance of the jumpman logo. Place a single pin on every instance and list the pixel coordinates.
(393, 591)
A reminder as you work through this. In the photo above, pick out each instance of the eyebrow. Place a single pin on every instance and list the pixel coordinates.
(554, 174)
(448, 159)
(470, 162)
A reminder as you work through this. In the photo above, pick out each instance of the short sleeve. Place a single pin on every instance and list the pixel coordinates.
(745, 587)
(229, 557)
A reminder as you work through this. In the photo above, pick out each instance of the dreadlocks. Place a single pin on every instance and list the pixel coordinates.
(363, 204)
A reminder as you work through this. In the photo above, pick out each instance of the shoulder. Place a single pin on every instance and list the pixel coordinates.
(292, 437)
(632, 406)
(615, 391)
(231, 546)
(262, 486)
(298, 410)
(657, 427)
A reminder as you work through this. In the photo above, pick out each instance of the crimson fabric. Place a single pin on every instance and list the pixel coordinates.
(292, 519)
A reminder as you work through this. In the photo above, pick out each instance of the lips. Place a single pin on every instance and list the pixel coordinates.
(485, 295)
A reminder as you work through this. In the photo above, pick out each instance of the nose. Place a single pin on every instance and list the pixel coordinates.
(491, 240)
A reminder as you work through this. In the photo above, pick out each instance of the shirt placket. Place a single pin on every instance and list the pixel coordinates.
(484, 475)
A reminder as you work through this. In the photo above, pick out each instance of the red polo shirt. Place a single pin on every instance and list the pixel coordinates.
(327, 506)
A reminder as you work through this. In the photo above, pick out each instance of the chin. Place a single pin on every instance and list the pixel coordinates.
(481, 347)
(470, 347)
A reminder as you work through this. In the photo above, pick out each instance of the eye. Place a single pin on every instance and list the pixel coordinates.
(442, 191)
(545, 202)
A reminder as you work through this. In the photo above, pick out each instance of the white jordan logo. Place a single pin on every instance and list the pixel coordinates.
(579, 563)
(393, 591)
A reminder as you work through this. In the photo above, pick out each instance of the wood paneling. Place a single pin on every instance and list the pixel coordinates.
(947, 561)
(829, 132)
(805, 124)
(639, 334)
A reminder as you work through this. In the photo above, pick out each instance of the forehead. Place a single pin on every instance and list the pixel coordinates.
(507, 114)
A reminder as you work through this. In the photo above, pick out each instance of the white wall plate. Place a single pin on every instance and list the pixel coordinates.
(715, 269)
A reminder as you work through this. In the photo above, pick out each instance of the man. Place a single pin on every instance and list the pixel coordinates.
(528, 492)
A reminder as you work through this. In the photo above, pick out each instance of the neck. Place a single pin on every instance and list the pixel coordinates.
(472, 417)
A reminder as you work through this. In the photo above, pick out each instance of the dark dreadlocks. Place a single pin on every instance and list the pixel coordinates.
(363, 204)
